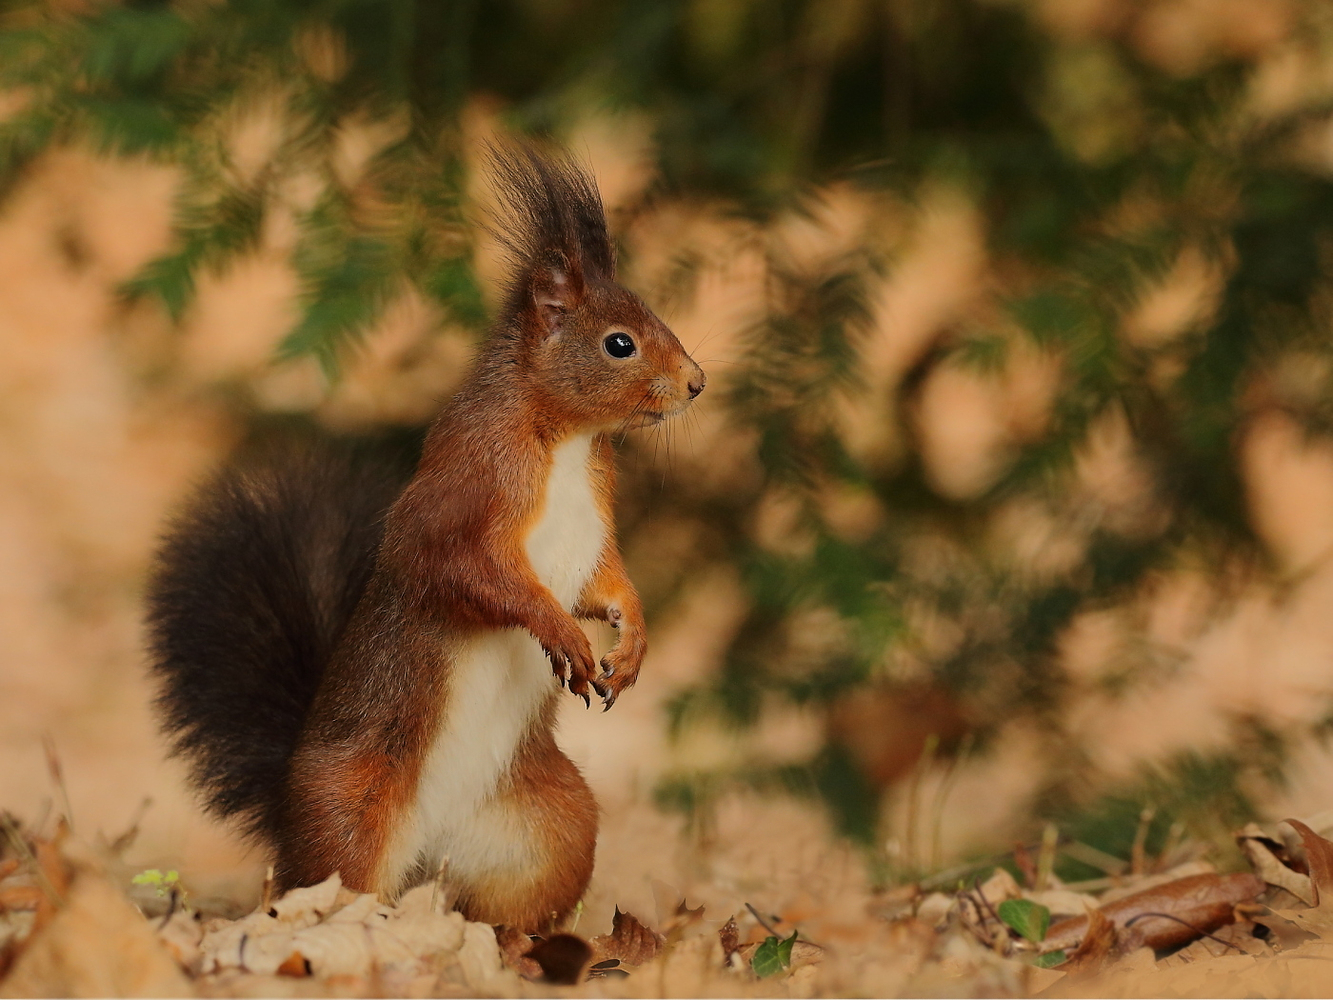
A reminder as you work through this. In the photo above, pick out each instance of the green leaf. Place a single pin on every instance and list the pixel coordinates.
(1028, 918)
(772, 956)
(1049, 959)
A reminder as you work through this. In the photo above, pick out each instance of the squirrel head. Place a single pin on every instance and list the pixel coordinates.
(592, 352)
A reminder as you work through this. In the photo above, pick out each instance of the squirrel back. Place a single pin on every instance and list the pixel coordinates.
(255, 582)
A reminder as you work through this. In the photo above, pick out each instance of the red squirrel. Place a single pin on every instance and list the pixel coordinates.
(368, 678)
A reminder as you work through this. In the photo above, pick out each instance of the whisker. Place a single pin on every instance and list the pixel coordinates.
(693, 424)
(657, 441)
(712, 332)
(663, 435)
(626, 425)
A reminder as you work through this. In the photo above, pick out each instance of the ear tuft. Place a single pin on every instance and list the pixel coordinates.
(554, 229)
(556, 289)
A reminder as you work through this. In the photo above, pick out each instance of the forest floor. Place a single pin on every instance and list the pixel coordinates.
(801, 920)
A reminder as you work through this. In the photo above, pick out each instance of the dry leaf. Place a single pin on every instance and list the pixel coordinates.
(1291, 927)
(1319, 857)
(1285, 932)
(295, 965)
(677, 918)
(1233, 939)
(1191, 905)
(730, 939)
(1039, 979)
(251, 944)
(307, 906)
(420, 899)
(514, 946)
(181, 935)
(356, 950)
(1274, 872)
(683, 910)
(1097, 945)
(629, 941)
(361, 907)
(97, 945)
(482, 965)
(1141, 883)
(425, 933)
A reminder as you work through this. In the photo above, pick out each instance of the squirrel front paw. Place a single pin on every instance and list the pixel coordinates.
(620, 669)
(571, 658)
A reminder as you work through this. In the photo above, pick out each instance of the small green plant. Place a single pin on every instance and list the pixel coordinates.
(1028, 918)
(1031, 920)
(773, 955)
(164, 883)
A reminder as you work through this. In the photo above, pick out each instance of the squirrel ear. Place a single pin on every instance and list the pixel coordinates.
(557, 287)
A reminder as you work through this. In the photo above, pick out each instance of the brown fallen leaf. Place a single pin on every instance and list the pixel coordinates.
(673, 929)
(1319, 857)
(294, 965)
(1292, 927)
(514, 948)
(1098, 943)
(1284, 932)
(629, 941)
(1268, 867)
(563, 958)
(683, 910)
(730, 938)
(1165, 915)
(1226, 942)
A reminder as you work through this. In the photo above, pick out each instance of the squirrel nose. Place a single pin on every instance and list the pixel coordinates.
(696, 384)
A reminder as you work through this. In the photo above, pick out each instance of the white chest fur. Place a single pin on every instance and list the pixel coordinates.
(567, 539)
(498, 684)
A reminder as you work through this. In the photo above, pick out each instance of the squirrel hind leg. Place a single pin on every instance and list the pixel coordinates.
(547, 790)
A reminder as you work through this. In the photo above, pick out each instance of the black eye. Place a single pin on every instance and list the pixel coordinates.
(619, 345)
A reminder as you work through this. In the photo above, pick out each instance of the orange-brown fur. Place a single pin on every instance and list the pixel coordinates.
(453, 564)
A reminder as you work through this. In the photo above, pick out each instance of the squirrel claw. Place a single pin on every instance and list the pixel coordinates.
(587, 702)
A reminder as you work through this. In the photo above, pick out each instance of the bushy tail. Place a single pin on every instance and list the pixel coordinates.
(251, 590)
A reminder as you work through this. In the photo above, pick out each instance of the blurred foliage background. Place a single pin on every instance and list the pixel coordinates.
(1019, 301)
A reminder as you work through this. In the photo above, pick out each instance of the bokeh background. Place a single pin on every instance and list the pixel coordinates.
(1010, 502)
